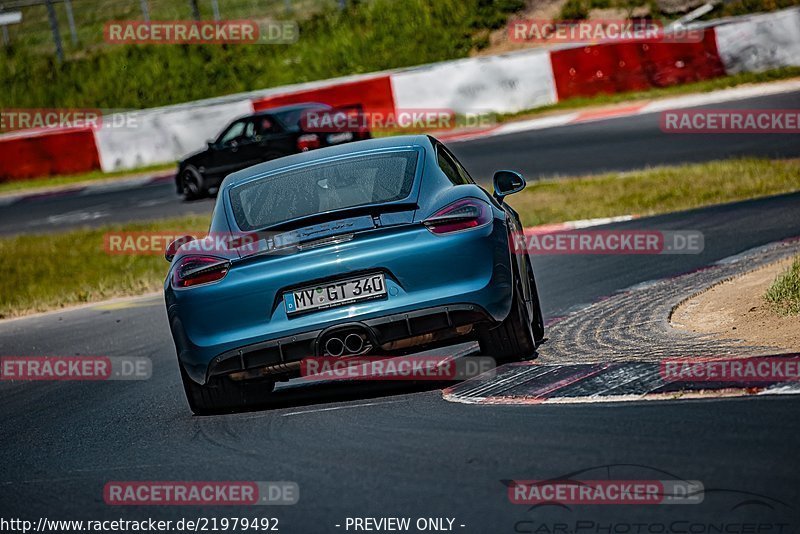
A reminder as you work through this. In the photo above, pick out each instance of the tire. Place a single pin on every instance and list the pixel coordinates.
(537, 323)
(223, 395)
(192, 184)
(512, 339)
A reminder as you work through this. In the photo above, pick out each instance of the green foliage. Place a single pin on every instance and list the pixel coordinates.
(744, 7)
(784, 294)
(579, 9)
(41, 272)
(575, 10)
(368, 36)
(656, 190)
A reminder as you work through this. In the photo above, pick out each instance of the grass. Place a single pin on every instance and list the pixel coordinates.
(91, 15)
(655, 190)
(582, 9)
(46, 182)
(43, 272)
(736, 8)
(784, 294)
(368, 36)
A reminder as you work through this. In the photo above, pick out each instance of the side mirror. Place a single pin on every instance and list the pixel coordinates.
(211, 143)
(507, 183)
(173, 247)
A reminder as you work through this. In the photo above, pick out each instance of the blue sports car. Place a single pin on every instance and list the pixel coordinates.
(380, 247)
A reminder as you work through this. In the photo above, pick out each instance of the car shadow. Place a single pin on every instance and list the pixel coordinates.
(303, 392)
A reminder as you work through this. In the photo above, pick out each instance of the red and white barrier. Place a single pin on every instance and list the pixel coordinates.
(634, 66)
(505, 84)
(42, 153)
(502, 84)
(149, 137)
(761, 42)
(373, 93)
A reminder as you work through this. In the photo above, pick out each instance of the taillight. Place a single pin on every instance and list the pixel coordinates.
(196, 270)
(461, 215)
(308, 142)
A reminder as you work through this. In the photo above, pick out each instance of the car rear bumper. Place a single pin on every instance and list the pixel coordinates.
(386, 329)
(434, 283)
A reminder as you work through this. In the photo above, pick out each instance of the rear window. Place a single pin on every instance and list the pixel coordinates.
(323, 187)
(291, 118)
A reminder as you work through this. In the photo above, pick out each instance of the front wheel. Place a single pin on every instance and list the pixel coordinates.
(221, 394)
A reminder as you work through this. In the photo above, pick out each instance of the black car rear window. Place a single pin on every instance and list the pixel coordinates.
(322, 187)
(291, 118)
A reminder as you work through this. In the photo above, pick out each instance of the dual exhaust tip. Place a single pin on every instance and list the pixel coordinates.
(350, 344)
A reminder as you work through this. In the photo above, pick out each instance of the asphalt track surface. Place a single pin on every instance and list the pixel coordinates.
(399, 450)
(613, 144)
(379, 450)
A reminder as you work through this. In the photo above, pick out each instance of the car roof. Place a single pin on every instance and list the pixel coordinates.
(289, 107)
(345, 149)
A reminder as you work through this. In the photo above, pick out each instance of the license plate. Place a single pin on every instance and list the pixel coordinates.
(334, 294)
(340, 137)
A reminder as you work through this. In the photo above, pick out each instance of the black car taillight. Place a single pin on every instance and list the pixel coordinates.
(196, 270)
(308, 142)
(461, 215)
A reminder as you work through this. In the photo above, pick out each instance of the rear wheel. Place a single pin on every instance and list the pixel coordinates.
(222, 394)
(537, 323)
(192, 184)
(512, 339)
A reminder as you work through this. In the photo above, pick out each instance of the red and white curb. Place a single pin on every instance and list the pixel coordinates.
(529, 383)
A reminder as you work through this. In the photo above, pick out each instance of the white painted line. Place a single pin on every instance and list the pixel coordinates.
(155, 297)
(521, 126)
(88, 188)
(723, 95)
(341, 408)
(792, 388)
(127, 183)
(576, 225)
(587, 223)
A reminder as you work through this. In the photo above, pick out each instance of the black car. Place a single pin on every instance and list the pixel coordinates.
(259, 137)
